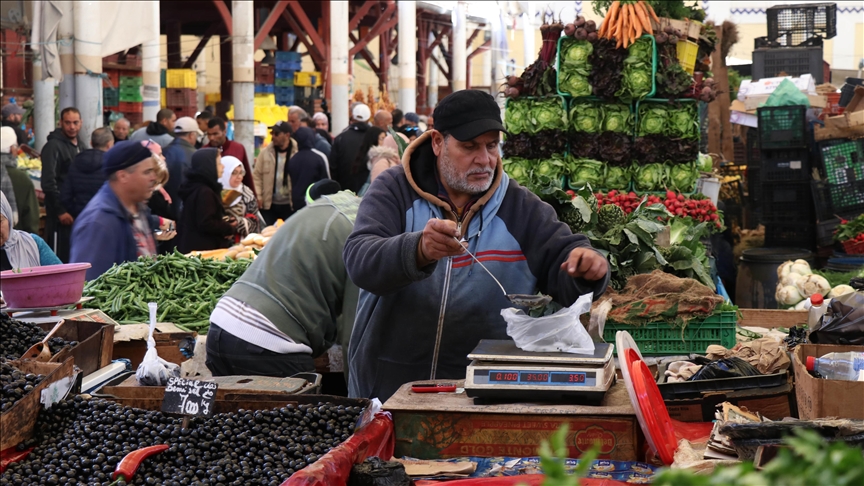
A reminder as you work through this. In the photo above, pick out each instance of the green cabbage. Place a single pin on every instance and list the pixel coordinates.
(517, 169)
(638, 74)
(532, 115)
(516, 116)
(586, 171)
(586, 116)
(650, 177)
(682, 177)
(653, 119)
(705, 163)
(616, 118)
(574, 83)
(684, 121)
(576, 51)
(617, 178)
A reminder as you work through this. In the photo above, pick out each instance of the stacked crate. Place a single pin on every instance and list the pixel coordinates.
(162, 88)
(264, 84)
(793, 45)
(841, 193)
(111, 90)
(131, 101)
(788, 211)
(181, 91)
(287, 64)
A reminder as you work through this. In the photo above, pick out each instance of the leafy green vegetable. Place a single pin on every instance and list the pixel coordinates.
(617, 178)
(574, 83)
(542, 177)
(617, 118)
(586, 116)
(582, 172)
(682, 177)
(575, 67)
(705, 163)
(684, 121)
(650, 177)
(638, 75)
(653, 119)
(576, 52)
(554, 454)
(532, 115)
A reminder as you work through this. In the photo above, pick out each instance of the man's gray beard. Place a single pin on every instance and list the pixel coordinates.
(455, 182)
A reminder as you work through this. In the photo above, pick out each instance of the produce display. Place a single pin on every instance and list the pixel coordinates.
(19, 336)
(627, 21)
(185, 288)
(248, 247)
(574, 66)
(533, 115)
(82, 441)
(694, 209)
(14, 384)
(601, 131)
(796, 282)
(538, 79)
(850, 233)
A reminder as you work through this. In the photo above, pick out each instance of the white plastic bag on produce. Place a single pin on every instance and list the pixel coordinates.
(559, 332)
(153, 370)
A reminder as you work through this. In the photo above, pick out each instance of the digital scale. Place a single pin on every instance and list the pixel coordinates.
(499, 371)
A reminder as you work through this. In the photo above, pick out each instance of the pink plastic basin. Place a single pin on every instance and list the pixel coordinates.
(48, 286)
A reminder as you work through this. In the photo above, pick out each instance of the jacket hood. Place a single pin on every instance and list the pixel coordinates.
(155, 128)
(305, 138)
(89, 161)
(58, 134)
(203, 171)
(420, 163)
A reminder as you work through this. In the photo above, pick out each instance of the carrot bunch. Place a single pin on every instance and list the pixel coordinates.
(626, 21)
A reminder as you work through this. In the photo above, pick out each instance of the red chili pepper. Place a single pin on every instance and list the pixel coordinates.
(129, 464)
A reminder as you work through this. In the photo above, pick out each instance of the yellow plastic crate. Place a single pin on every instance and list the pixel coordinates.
(262, 99)
(163, 96)
(181, 78)
(687, 52)
(307, 79)
(212, 98)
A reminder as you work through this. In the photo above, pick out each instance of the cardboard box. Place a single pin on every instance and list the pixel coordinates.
(443, 425)
(765, 86)
(774, 403)
(95, 343)
(771, 318)
(753, 102)
(739, 115)
(130, 342)
(820, 398)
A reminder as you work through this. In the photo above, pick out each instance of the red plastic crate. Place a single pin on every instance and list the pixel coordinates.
(264, 73)
(131, 107)
(113, 78)
(135, 119)
(181, 97)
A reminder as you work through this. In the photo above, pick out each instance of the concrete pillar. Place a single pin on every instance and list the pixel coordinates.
(150, 67)
(460, 50)
(201, 77)
(407, 56)
(498, 47)
(88, 66)
(65, 33)
(43, 91)
(243, 15)
(530, 53)
(844, 45)
(487, 70)
(432, 83)
(339, 65)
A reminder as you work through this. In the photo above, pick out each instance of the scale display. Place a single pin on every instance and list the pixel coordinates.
(534, 377)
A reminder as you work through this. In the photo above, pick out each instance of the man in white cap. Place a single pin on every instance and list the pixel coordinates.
(178, 157)
(345, 148)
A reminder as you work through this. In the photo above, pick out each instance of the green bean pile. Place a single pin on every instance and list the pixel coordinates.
(186, 289)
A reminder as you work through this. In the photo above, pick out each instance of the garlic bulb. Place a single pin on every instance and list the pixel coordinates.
(840, 290)
(791, 279)
(788, 295)
(784, 269)
(812, 284)
(801, 267)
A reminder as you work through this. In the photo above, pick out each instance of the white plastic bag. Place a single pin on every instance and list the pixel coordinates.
(153, 370)
(559, 332)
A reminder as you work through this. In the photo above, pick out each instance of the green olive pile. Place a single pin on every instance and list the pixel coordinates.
(81, 441)
(19, 336)
(15, 384)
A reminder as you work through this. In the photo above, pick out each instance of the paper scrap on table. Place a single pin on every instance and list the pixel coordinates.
(418, 467)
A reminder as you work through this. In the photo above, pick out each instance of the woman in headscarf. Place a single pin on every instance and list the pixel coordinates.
(19, 249)
(238, 200)
(203, 223)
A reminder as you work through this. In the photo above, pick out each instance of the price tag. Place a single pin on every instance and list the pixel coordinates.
(189, 397)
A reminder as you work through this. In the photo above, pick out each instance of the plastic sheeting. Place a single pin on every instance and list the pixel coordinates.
(376, 439)
(10, 455)
(527, 479)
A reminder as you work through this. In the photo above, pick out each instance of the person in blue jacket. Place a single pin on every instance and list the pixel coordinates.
(115, 225)
(19, 249)
(424, 304)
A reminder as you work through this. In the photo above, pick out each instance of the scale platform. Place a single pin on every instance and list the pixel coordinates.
(502, 372)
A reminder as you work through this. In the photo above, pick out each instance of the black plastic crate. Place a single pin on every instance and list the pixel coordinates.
(754, 186)
(847, 91)
(754, 153)
(825, 231)
(794, 234)
(793, 61)
(782, 127)
(787, 201)
(779, 165)
(792, 24)
(843, 160)
(832, 200)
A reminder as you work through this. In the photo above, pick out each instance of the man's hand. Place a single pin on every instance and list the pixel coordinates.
(166, 235)
(438, 241)
(585, 263)
(166, 224)
(66, 219)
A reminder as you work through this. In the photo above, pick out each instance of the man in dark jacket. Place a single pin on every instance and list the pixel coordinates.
(178, 158)
(114, 227)
(305, 168)
(345, 148)
(161, 131)
(57, 154)
(418, 285)
(12, 114)
(85, 176)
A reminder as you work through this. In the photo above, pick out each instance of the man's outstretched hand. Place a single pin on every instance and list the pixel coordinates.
(585, 263)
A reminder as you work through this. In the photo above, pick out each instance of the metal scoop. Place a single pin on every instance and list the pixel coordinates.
(524, 300)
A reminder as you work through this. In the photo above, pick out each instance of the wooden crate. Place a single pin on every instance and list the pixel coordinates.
(444, 425)
(18, 422)
(771, 318)
(130, 342)
(95, 344)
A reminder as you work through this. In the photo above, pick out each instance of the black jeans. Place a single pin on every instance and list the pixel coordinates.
(275, 212)
(229, 355)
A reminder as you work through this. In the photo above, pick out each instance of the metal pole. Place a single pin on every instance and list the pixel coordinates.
(243, 80)
(150, 65)
(460, 49)
(65, 33)
(407, 56)
(88, 66)
(339, 65)
(43, 90)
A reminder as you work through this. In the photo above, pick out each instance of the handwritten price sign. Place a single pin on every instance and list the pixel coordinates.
(189, 397)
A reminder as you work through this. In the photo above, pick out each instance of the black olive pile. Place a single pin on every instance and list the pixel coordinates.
(81, 441)
(14, 384)
(19, 336)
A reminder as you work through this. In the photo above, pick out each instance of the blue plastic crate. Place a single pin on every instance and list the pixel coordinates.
(264, 88)
(283, 91)
(284, 74)
(287, 56)
(285, 101)
(288, 66)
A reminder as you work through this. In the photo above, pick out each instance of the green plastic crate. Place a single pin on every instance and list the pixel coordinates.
(661, 339)
(284, 82)
(130, 94)
(110, 97)
(162, 73)
(843, 160)
(131, 81)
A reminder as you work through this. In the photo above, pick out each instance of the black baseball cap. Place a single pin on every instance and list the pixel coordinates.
(467, 114)
(281, 127)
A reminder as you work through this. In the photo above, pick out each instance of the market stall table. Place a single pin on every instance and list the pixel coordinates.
(444, 425)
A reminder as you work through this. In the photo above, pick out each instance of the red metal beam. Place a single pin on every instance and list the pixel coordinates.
(226, 15)
(386, 21)
(439, 37)
(270, 22)
(358, 16)
(472, 37)
(211, 31)
(325, 33)
(480, 49)
(366, 55)
(302, 30)
(442, 68)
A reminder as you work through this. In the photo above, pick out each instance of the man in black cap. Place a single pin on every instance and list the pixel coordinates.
(114, 227)
(424, 305)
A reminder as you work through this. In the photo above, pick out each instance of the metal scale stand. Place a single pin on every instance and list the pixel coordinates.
(501, 372)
